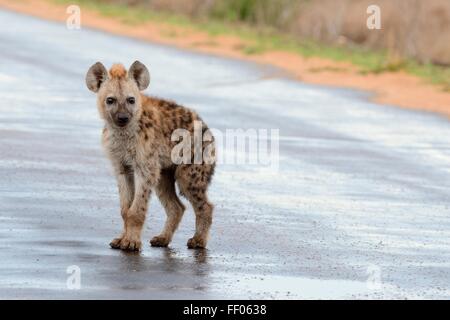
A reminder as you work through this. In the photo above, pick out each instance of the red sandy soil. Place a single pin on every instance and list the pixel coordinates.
(397, 88)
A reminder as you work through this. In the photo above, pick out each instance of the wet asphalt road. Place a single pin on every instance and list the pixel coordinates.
(360, 206)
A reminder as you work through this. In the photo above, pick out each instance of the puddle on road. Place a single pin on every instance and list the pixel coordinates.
(288, 287)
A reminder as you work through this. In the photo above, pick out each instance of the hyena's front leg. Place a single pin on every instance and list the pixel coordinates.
(125, 182)
(144, 179)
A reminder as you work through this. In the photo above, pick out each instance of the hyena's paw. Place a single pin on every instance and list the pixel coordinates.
(159, 241)
(126, 244)
(196, 243)
(115, 243)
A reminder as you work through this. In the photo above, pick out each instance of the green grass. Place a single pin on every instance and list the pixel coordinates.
(435, 74)
(259, 40)
(127, 14)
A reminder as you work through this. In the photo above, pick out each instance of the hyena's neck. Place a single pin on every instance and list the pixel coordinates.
(129, 133)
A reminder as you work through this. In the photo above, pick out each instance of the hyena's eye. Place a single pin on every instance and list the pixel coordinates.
(110, 100)
(131, 100)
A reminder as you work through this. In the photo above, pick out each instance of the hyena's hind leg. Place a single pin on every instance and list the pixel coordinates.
(193, 181)
(173, 206)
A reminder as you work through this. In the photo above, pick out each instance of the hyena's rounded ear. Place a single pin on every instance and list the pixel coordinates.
(139, 73)
(96, 75)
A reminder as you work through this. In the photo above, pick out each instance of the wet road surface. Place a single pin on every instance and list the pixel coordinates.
(359, 208)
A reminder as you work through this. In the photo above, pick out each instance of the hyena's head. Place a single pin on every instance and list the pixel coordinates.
(118, 91)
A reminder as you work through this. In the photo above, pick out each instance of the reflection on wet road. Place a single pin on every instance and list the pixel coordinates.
(359, 206)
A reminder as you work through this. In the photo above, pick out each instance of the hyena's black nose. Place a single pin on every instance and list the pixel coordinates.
(122, 119)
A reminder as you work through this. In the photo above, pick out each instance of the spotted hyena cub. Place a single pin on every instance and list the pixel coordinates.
(137, 137)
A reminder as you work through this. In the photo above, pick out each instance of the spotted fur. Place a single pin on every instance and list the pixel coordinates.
(140, 153)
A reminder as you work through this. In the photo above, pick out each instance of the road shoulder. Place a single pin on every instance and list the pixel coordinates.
(396, 89)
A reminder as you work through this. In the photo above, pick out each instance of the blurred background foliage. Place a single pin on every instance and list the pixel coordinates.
(415, 34)
(412, 28)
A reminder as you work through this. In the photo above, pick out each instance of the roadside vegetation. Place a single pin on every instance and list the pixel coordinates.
(415, 36)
